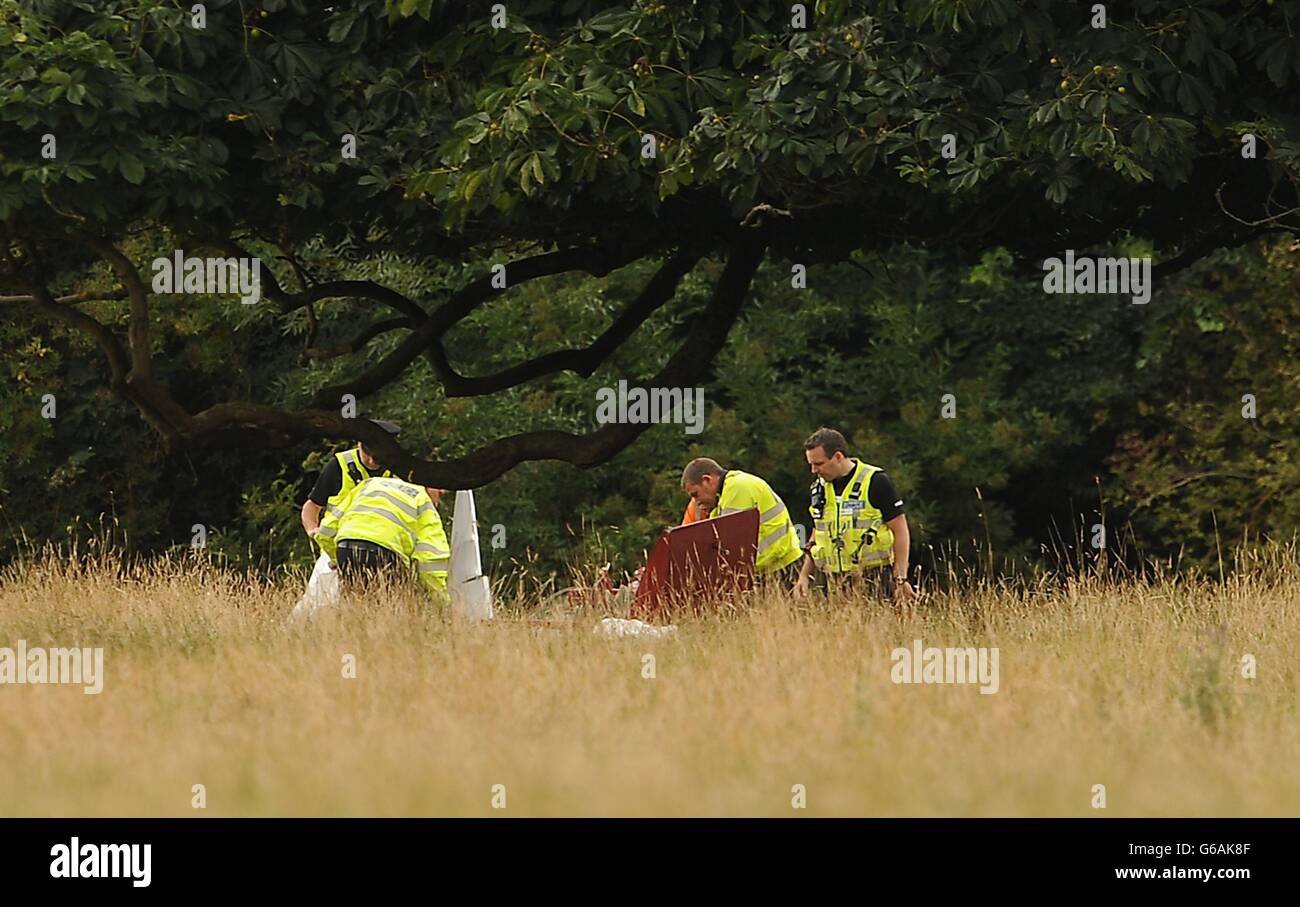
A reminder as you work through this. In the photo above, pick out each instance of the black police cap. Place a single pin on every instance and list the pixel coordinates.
(391, 427)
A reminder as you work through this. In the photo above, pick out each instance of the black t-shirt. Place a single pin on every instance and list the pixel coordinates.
(881, 493)
(330, 481)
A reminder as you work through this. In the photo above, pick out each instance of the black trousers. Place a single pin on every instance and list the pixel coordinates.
(361, 564)
(878, 582)
(785, 578)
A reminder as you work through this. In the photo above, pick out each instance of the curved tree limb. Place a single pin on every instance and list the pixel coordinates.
(580, 360)
(162, 413)
(357, 342)
(689, 366)
(362, 289)
(118, 362)
(242, 423)
(595, 261)
(138, 332)
(288, 302)
(152, 397)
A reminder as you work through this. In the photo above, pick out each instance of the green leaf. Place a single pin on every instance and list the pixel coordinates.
(472, 183)
(131, 168)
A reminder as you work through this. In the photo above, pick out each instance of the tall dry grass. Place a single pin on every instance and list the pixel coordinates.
(1135, 686)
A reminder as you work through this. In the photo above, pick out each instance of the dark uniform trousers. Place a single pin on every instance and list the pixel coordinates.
(361, 564)
(878, 582)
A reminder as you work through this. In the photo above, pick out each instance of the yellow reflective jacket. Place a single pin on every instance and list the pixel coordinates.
(400, 517)
(354, 472)
(777, 544)
(848, 532)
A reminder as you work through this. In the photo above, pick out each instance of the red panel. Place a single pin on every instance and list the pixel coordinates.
(697, 564)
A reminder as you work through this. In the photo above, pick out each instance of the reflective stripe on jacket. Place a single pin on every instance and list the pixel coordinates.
(778, 546)
(400, 517)
(849, 533)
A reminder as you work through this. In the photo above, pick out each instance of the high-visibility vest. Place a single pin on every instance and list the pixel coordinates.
(354, 472)
(777, 544)
(848, 532)
(400, 517)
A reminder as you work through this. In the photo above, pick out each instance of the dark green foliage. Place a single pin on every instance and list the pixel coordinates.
(479, 145)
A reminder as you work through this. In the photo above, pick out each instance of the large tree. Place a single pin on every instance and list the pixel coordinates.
(572, 136)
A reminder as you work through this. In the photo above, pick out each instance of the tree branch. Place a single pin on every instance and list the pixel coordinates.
(689, 366)
(72, 298)
(41, 300)
(1200, 250)
(288, 302)
(159, 410)
(595, 261)
(363, 289)
(357, 342)
(580, 360)
(138, 331)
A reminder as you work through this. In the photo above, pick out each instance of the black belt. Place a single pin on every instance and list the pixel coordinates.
(361, 545)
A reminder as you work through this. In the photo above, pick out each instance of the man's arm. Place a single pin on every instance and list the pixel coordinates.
(902, 544)
(432, 554)
(884, 497)
(327, 485)
(902, 551)
(311, 512)
(326, 534)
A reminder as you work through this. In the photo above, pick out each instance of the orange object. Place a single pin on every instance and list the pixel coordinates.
(691, 515)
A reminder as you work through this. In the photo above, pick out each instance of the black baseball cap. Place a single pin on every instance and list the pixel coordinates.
(391, 427)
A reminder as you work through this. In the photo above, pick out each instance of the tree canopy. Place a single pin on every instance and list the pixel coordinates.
(554, 137)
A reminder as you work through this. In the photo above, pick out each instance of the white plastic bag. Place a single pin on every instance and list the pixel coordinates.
(322, 588)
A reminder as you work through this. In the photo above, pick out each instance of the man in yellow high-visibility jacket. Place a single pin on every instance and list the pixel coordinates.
(386, 524)
(716, 492)
(860, 530)
(341, 474)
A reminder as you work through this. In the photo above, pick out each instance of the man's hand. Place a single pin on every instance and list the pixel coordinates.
(312, 532)
(436, 495)
(904, 596)
(801, 585)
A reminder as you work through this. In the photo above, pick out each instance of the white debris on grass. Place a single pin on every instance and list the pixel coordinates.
(618, 628)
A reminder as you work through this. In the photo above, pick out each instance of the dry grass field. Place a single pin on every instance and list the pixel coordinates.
(1136, 687)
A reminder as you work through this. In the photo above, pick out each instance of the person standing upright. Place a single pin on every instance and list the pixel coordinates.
(860, 531)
